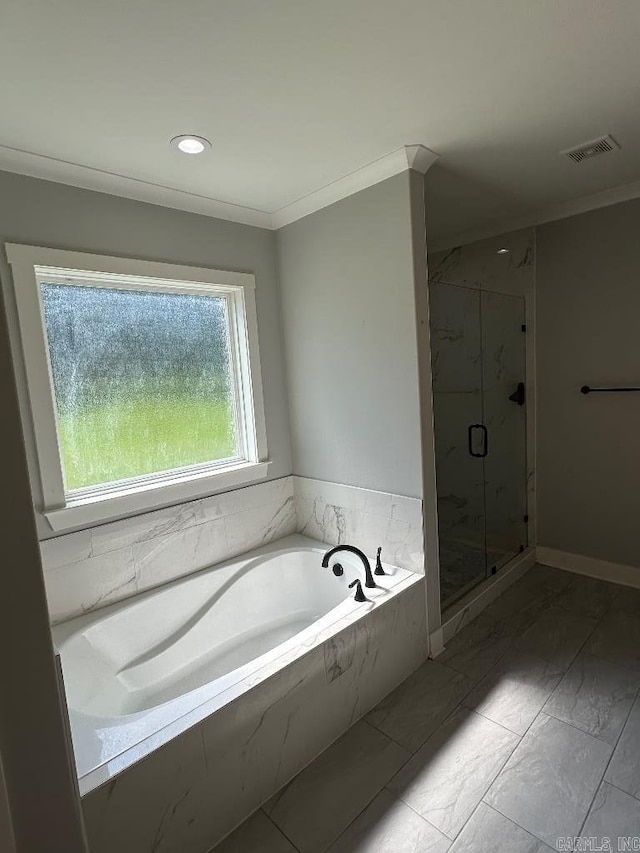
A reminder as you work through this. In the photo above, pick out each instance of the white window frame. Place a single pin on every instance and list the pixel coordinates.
(31, 263)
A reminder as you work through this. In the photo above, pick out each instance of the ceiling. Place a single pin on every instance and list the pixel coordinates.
(294, 94)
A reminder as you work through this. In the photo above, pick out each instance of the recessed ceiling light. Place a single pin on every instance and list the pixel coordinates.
(187, 143)
(503, 251)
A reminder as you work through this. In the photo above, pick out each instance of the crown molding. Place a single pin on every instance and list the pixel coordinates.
(419, 158)
(34, 165)
(584, 204)
(88, 178)
(415, 157)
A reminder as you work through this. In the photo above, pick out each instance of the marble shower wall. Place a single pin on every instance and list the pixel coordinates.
(479, 266)
(457, 391)
(503, 357)
(93, 568)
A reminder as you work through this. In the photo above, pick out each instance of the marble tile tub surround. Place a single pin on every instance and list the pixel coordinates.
(193, 789)
(110, 736)
(524, 761)
(336, 514)
(93, 568)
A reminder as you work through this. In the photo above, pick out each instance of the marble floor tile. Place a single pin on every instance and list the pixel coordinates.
(587, 596)
(616, 816)
(487, 831)
(626, 600)
(414, 710)
(446, 779)
(514, 692)
(390, 826)
(478, 647)
(322, 800)
(596, 696)
(617, 638)
(256, 835)
(624, 769)
(548, 784)
(558, 635)
(527, 599)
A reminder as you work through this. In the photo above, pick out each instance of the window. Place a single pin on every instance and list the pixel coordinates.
(143, 380)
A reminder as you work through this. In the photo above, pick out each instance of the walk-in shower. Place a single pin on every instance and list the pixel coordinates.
(478, 345)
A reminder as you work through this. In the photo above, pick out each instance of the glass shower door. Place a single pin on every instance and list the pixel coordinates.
(478, 360)
(456, 344)
(503, 398)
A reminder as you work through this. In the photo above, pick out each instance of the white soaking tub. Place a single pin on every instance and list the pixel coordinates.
(141, 671)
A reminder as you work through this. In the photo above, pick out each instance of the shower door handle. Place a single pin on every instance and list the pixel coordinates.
(485, 440)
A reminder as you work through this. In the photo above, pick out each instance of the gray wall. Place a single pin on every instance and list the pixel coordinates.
(6, 832)
(588, 332)
(347, 289)
(49, 214)
(36, 762)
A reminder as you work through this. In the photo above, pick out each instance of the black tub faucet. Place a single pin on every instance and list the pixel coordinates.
(368, 575)
(359, 596)
(378, 569)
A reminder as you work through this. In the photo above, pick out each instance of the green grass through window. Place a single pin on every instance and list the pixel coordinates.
(144, 434)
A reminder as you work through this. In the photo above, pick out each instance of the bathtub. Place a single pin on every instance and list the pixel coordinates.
(142, 671)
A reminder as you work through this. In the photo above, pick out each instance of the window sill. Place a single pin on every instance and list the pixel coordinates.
(146, 499)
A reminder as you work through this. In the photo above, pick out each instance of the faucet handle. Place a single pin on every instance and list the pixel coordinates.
(359, 596)
(378, 569)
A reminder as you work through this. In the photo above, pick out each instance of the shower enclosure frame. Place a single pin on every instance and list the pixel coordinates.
(448, 267)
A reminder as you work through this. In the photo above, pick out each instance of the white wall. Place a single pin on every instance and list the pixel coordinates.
(349, 316)
(48, 214)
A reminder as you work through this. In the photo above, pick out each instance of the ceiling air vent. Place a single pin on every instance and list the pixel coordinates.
(591, 149)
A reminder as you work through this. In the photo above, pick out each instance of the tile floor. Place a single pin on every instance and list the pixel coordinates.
(523, 736)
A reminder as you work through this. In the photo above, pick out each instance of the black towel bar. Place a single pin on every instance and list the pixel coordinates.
(588, 390)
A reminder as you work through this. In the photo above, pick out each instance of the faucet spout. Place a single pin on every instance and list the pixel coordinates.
(368, 575)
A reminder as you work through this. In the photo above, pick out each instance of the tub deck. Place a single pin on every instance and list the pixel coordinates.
(140, 672)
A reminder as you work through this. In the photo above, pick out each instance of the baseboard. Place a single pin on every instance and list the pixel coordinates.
(589, 566)
(475, 601)
(436, 643)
